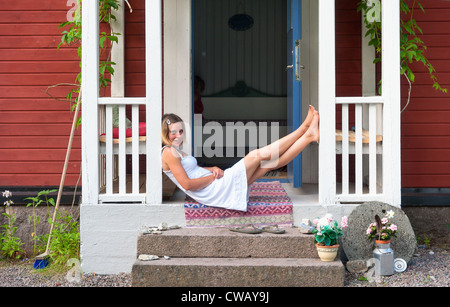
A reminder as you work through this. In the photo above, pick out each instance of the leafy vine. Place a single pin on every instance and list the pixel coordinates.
(71, 36)
(412, 48)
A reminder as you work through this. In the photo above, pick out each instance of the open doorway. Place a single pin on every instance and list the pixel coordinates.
(239, 54)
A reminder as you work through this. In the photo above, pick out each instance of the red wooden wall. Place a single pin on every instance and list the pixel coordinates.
(34, 128)
(425, 127)
(426, 121)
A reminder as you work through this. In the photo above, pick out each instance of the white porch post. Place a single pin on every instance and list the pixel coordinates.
(177, 64)
(327, 98)
(90, 93)
(153, 58)
(391, 95)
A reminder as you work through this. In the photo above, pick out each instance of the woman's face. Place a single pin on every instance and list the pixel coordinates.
(176, 131)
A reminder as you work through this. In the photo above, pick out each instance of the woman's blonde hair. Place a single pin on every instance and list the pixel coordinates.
(167, 120)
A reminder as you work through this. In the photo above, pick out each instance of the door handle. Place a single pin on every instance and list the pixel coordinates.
(289, 67)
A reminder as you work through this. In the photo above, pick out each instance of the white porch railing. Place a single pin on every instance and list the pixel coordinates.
(114, 152)
(98, 157)
(383, 118)
(364, 141)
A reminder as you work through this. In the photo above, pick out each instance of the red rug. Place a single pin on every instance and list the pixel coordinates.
(268, 204)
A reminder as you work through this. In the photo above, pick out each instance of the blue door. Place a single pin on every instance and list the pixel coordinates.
(294, 85)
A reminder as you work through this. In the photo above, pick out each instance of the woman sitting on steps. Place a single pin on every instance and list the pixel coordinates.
(228, 189)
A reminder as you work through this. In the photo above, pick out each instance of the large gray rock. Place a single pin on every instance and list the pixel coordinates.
(355, 244)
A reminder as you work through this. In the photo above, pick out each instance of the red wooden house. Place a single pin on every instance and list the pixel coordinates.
(34, 127)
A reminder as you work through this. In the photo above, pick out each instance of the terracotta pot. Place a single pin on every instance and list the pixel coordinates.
(327, 253)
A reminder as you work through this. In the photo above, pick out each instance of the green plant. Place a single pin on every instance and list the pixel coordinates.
(36, 201)
(425, 240)
(65, 242)
(412, 48)
(48, 200)
(71, 36)
(10, 245)
(327, 230)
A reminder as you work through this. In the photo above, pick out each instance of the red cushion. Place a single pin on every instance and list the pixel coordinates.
(129, 133)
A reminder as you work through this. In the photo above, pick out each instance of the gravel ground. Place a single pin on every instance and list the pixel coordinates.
(429, 268)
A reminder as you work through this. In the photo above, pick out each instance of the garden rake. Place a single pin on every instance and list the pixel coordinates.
(42, 260)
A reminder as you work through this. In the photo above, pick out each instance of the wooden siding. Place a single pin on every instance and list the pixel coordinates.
(426, 121)
(348, 67)
(425, 124)
(34, 128)
(135, 56)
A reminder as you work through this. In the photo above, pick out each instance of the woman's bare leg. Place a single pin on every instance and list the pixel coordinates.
(272, 151)
(263, 160)
(278, 147)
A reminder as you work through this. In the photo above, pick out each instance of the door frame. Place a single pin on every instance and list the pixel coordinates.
(178, 66)
(294, 82)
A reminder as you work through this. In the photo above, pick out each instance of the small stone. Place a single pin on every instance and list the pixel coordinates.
(163, 226)
(431, 253)
(151, 230)
(305, 228)
(144, 257)
(167, 257)
(307, 222)
(356, 266)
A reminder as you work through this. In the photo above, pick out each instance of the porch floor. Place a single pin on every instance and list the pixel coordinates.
(308, 194)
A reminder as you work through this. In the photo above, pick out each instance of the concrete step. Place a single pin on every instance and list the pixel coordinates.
(238, 272)
(218, 257)
(223, 243)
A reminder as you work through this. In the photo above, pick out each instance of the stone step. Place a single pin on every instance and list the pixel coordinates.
(223, 243)
(238, 272)
(218, 257)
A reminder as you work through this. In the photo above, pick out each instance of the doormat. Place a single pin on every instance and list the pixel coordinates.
(268, 204)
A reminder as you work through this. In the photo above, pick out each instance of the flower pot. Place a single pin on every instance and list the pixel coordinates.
(327, 253)
(385, 256)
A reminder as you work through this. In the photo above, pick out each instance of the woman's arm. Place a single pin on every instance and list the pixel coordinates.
(172, 161)
(217, 172)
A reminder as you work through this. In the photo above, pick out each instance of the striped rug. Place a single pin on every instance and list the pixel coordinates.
(268, 204)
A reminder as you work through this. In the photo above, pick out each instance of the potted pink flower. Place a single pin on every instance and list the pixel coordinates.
(382, 230)
(326, 236)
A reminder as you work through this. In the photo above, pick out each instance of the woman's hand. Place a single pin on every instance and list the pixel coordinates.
(217, 172)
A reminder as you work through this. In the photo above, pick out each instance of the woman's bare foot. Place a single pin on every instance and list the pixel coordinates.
(310, 116)
(313, 130)
(307, 122)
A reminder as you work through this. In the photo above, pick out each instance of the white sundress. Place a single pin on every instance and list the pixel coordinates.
(228, 192)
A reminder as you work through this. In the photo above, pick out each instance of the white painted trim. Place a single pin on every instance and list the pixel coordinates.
(121, 100)
(327, 98)
(90, 93)
(359, 198)
(391, 93)
(153, 56)
(360, 100)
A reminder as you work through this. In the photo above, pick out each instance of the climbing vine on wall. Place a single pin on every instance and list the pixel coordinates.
(71, 36)
(412, 48)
